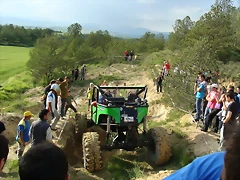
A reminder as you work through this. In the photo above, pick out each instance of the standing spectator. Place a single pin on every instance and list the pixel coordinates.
(230, 121)
(46, 91)
(44, 162)
(76, 75)
(73, 74)
(89, 95)
(159, 82)
(131, 55)
(238, 100)
(69, 102)
(167, 67)
(199, 97)
(40, 130)
(213, 114)
(2, 127)
(4, 150)
(23, 133)
(64, 95)
(126, 55)
(211, 98)
(51, 106)
(83, 72)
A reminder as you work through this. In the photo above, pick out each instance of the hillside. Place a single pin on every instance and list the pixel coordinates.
(198, 143)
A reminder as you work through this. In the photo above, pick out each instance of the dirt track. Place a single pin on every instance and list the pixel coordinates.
(201, 143)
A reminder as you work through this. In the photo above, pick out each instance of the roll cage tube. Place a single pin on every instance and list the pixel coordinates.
(103, 93)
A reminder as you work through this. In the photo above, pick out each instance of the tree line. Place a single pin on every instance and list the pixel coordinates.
(20, 36)
(211, 44)
(56, 53)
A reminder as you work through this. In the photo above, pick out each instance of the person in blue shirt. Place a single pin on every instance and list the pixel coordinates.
(216, 166)
(23, 133)
(201, 90)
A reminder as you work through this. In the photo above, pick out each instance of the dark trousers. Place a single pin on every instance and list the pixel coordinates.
(159, 87)
(204, 105)
(210, 117)
(64, 102)
(71, 107)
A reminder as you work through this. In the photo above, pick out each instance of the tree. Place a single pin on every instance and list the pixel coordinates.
(45, 58)
(75, 30)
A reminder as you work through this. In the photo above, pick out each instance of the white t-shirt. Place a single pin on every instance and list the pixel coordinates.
(51, 98)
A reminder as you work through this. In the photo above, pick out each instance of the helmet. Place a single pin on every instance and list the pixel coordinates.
(55, 87)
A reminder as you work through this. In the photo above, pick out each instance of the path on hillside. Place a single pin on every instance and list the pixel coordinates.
(200, 142)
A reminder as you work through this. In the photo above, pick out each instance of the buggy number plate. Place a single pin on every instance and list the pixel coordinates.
(128, 119)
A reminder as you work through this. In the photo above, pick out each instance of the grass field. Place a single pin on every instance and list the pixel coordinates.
(14, 77)
(12, 61)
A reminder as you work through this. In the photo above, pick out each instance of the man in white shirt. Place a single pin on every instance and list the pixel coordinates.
(51, 105)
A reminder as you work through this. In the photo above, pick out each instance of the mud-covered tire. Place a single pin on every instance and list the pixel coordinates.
(81, 123)
(91, 151)
(159, 149)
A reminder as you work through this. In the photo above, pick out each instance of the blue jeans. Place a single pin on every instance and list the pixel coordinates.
(198, 108)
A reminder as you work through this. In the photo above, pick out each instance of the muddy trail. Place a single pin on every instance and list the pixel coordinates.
(199, 143)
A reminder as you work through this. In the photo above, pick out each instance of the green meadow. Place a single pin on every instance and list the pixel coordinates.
(12, 61)
(15, 79)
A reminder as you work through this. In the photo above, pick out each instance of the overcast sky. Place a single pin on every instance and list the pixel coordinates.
(157, 15)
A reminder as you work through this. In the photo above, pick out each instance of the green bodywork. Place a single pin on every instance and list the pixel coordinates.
(114, 112)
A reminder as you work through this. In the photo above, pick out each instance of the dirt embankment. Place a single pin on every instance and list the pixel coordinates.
(200, 143)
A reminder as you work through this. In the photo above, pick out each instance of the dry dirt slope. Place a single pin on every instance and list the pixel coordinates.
(201, 143)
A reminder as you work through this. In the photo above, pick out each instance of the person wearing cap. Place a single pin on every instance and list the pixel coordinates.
(23, 133)
(51, 105)
(211, 98)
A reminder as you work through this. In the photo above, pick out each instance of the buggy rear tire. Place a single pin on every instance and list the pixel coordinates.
(159, 148)
(81, 123)
(91, 151)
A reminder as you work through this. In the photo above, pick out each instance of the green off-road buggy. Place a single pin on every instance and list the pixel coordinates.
(120, 112)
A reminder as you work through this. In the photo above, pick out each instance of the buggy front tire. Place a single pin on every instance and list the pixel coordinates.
(159, 148)
(91, 151)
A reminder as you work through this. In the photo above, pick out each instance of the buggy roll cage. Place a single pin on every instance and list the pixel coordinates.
(103, 93)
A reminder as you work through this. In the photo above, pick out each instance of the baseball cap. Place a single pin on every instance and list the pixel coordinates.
(214, 86)
(28, 113)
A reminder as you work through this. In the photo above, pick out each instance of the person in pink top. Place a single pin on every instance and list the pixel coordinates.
(211, 98)
(213, 107)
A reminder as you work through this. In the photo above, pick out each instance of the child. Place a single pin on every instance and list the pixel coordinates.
(69, 102)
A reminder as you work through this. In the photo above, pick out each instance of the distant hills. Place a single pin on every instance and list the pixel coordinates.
(124, 32)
